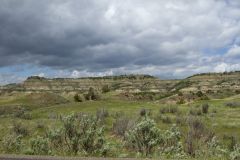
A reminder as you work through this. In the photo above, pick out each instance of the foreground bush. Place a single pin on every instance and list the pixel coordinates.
(12, 143)
(79, 134)
(144, 137)
(197, 137)
(83, 135)
(235, 154)
(39, 146)
(101, 114)
(120, 125)
(172, 146)
(196, 127)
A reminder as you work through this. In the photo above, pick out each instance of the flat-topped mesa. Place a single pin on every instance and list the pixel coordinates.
(206, 82)
(130, 77)
(35, 78)
(121, 82)
(234, 74)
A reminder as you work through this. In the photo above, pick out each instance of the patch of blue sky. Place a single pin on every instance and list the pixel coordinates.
(26, 70)
(216, 51)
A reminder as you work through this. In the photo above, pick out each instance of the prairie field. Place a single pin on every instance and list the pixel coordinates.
(26, 119)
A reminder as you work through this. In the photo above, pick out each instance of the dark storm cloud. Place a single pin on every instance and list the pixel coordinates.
(98, 35)
(29, 28)
(36, 32)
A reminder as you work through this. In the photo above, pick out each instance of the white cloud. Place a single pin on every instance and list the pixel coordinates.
(78, 74)
(41, 74)
(224, 67)
(110, 13)
(233, 52)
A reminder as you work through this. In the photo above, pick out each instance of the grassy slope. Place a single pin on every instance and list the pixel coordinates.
(226, 121)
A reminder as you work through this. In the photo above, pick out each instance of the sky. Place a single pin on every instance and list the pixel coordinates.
(79, 38)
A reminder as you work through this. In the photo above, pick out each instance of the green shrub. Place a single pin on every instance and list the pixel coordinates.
(92, 135)
(71, 133)
(53, 115)
(120, 126)
(214, 110)
(195, 112)
(20, 129)
(116, 85)
(79, 98)
(182, 84)
(205, 108)
(169, 109)
(40, 125)
(231, 142)
(172, 146)
(105, 89)
(101, 114)
(163, 110)
(214, 149)
(180, 94)
(232, 104)
(173, 109)
(92, 94)
(80, 134)
(19, 112)
(118, 114)
(235, 154)
(12, 143)
(144, 137)
(3, 110)
(39, 146)
(197, 136)
(144, 112)
(196, 126)
(181, 101)
(204, 97)
(237, 91)
(180, 120)
(166, 119)
(190, 146)
(199, 94)
(56, 139)
(27, 116)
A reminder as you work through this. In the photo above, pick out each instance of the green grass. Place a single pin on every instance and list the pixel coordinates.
(226, 121)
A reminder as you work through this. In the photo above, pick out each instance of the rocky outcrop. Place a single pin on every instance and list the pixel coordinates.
(130, 83)
(207, 82)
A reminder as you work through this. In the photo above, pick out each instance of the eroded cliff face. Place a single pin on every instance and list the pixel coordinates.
(214, 82)
(208, 82)
(134, 83)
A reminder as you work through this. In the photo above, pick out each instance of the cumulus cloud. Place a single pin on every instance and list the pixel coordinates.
(101, 37)
(233, 52)
(224, 67)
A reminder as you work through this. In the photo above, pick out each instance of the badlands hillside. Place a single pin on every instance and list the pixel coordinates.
(200, 86)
